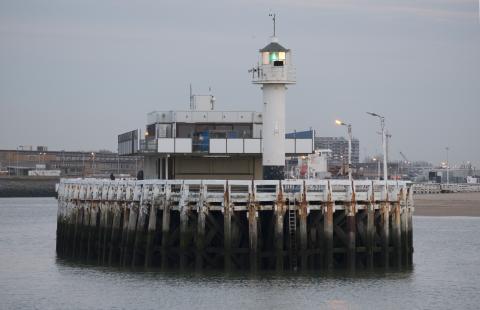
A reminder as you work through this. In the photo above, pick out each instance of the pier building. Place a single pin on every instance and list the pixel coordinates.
(215, 197)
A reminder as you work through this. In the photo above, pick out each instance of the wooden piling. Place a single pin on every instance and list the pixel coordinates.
(165, 235)
(83, 222)
(152, 224)
(328, 234)
(138, 246)
(115, 236)
(184, 236)
(278, 235)
(385, 235)
(69, 230)
(303, 213)
(253, 236)
(397, 235)
(403, 225)
(370, 237)
(100, 231)
(75, 229)
(92, 233)
(227, 237)
(130, 240)
(200, 237)
(107, 232)
(123, 242)
(351, 235)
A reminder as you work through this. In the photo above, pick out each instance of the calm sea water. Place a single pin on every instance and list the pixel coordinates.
(446, 275)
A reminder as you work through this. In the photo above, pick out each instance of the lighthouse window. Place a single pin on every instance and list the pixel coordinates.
(281, 56)
(273, 56)
(265, 59)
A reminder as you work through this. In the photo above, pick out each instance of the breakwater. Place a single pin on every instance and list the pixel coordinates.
(194, 224)
(23, 186)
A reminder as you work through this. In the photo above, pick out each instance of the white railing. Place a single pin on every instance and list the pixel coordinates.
(216, 192)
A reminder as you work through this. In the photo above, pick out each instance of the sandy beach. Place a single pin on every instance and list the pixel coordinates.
(455, 204)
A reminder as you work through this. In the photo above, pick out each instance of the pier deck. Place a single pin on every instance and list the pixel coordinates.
(219, 224)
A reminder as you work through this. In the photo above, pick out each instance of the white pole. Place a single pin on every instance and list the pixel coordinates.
(166, 167)
(378, 169)
(384, 145)
(349, 152)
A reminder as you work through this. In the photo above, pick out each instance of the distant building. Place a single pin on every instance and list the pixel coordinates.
(339, 148)
(68, 164)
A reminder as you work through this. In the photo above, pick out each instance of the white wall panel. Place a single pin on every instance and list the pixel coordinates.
(183, 117)
(245, 117)
(183, 145)
(200, 116)
(229, 117)
(252, 146)
(166, 145)
(218, 146)
(214, 117)
(289, 146)
(235, 146)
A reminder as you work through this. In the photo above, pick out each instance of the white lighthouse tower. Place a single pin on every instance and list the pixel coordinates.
(274, 71)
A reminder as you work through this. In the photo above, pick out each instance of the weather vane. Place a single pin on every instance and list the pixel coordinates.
(273, 15)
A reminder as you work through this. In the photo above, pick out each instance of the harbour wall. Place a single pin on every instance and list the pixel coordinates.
(246, 225)
(23, 186)
(436, 188)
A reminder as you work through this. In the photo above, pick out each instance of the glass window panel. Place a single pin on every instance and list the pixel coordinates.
(281, 56)
(273, 56)
(265, 60)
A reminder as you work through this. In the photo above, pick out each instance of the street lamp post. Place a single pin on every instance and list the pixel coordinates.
(349, 129)
(378, 167)
(384, 144)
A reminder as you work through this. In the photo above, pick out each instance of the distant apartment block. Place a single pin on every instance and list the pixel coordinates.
(339, 148)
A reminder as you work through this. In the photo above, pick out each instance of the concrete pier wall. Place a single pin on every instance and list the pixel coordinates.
(22, 186)
(218, 224)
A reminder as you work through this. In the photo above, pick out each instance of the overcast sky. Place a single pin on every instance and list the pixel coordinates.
(74, 74)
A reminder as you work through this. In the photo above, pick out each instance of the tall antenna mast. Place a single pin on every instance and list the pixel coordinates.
(274, 16)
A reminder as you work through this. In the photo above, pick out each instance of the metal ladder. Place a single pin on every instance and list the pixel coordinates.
(292, 230)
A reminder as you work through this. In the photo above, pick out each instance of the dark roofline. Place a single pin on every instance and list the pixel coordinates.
(274, 47)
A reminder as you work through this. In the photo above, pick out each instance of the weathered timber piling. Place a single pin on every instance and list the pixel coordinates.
(235, 225)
